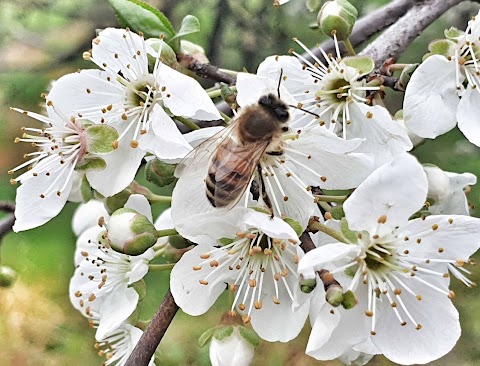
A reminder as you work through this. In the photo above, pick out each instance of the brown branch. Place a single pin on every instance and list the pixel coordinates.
(368, 25)
(398, 37)
(307, 242)
(148, 343)
(205, 70)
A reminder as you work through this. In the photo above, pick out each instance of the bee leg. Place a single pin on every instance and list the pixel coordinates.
(265, 197)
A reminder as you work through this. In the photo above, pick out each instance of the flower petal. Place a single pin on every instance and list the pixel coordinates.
(87, 215)
(381, 198)
(325, 256)
(139, 203)
(467, 115)
(273, 227)
(431, 98)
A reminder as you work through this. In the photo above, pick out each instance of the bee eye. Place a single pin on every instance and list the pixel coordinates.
(282, 114)
(265, 101)
(285, 129)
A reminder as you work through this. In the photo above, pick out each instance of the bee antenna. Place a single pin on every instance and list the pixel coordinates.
(279, 81)
(304, 110)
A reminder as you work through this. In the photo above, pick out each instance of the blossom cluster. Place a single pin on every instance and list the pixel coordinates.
(370, 269)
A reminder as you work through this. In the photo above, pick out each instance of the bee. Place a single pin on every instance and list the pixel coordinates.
(253, 133)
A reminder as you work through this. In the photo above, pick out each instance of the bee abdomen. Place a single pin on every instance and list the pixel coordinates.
(224, 187)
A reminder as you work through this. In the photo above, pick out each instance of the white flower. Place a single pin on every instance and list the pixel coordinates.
(398, 270)
(233, 350)
(337, 92)
(447, 191)
(309, 157)
(63, 145)
(432, 105)
(87, 215)
(104, 276)
(135, 99)
(252, 254)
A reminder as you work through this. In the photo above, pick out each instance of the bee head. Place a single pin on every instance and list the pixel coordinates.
(277, 108)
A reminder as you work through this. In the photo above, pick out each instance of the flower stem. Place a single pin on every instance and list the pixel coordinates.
(326, 198)
(161, 267)
(187, 123)
(215, 93)
(315, 226)
(349, 47)
(166, 232)
(226, 117)
(153, 198)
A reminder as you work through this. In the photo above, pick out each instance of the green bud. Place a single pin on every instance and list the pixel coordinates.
(7, 276)
(130, 232)
(308, 285)
(337, 212)
(337, 17)
(178, 242)
(228, 95)
(349, 300)
(159, 173)
(334, 295)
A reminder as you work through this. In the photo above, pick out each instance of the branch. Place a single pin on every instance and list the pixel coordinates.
(148, 343)
(396, 39)
(368, 25)
(307, 242)
(205, 70)
(7, 222)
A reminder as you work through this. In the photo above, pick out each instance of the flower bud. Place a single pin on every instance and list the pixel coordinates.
(167, 54)
(130, 232)
(194, 50)
(117, 201)
(231, 347)
(334, 295)
(7, 276)
(337, 17)
(159, 173)
(307, 285)
(349, 300)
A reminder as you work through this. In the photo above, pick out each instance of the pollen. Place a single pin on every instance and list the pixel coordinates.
(134, 144)
(434, 227)
(382, 219)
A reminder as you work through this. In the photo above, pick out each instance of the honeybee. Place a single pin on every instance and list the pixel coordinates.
(237, 157)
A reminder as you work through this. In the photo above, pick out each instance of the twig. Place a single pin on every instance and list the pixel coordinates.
(368, 25)
(7, 222)
(148, 343)
(205, 70)
(307, 242)
(396, 39)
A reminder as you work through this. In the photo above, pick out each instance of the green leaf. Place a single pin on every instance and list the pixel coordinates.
(190, 24)
(205, 337)
(141, 17)
(295, 225)
(351, 236)
(100, 139)
(223, 332)
(159, 173)
(92, 164)
(313, 5)
(442, 47)
(249, 335)
(364, 64)
(225, 241)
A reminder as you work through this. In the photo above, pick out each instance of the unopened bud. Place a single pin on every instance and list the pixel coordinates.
(233, 347)
(130, 232)
(159, 173)
(307, 285)
(349, 300)
(337, 17)
(7, 276)
(117, 201)
(334, 295)
(194, 50)
(167, 54)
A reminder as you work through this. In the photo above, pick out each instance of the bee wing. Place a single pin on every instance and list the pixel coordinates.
(201, 155)
(234, 166)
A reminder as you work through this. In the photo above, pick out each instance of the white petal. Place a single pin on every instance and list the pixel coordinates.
(122, 166)
(383, 136)
(456, 240)
(251, 87)
(467, 115)
(231, 351)
(116, 308)
(69, 95)
(330, 157)
(164, 221)
(324, 256)
(139, 265)
(32, 211)
(384, 192)
(139, 203)
(187, 97)
(164, 140)
(87, 215)
(273, 227)
(92, 233)
(191, 296)
(431, 98)
(439, 333)
(196, 137)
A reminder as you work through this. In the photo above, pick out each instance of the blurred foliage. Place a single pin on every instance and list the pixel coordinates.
(40, 40)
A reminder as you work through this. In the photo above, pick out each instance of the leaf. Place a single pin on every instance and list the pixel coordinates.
(190, 24)
(85, 190)
(92, 164)
(205, 337)
(364, 64)
(249, 335)
(295, 225)
(141, 17)
(337, 212)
